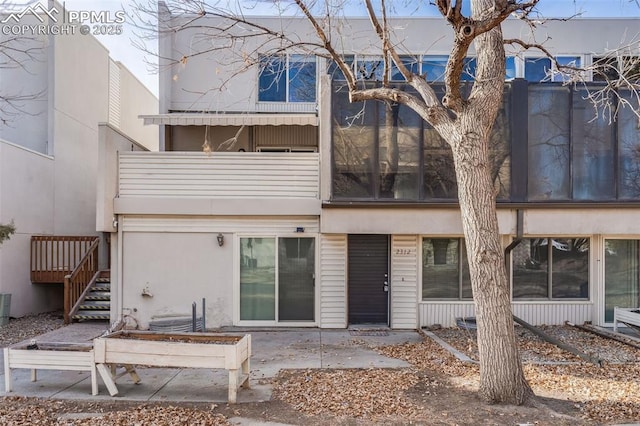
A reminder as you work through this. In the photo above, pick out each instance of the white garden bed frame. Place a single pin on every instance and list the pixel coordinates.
(626, 316)
(50, 356)
(177, 350)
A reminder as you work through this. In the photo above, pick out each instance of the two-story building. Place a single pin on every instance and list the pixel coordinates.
(312, 211)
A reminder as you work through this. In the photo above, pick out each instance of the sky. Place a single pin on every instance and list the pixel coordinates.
(121, 47)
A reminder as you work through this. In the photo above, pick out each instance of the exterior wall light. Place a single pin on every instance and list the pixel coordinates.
(220, 239)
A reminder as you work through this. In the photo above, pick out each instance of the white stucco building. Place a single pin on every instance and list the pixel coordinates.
(306, 220)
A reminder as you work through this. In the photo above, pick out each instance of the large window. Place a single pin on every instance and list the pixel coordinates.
(628, 151)
(371, 68)
(613, 68)
(544, 69)
(621, 275)
(386, 151)
(277, 279)
(551, 268)
(572, 148)
(287, 78)
(445, 269)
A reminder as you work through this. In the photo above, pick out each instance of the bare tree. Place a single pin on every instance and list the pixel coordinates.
(465, 120)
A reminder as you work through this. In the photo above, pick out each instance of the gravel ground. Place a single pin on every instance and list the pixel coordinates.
(29, 326)
(437, 389)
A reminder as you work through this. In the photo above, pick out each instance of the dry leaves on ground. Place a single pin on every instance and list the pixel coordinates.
(603, 394)
(368, 394)
(18, 411)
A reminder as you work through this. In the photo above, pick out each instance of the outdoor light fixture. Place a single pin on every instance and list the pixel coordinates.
(220, 240)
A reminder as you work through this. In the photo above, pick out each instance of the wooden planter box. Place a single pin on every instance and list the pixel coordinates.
(176, 350)
(626, 316)
(50, 356)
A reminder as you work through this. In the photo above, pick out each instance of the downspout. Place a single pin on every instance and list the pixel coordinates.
(517, 240)
(120, 296)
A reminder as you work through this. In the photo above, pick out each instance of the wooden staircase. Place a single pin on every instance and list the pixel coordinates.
(96, 301)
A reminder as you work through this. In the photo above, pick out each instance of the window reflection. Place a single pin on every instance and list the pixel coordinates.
(629, 150)
(621, 275)
(257, 278)
(549, 137)
(287, 78)
(386, 151)
(399, 152)
(445, 270)
(592, 153)
(551, 268)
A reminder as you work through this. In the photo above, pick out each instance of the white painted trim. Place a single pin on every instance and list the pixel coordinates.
(217, 207)
(195, 119)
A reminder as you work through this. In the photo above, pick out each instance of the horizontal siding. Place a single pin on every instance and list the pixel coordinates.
(404, 281)
(114, 94)
(554, 313)
(286, 136)
(551, 313)
(333, 273)
(227, 224)
(218, 175)
(444, 314)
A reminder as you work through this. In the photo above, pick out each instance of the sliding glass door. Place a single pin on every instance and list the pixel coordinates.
(622, 288)
(277, 279)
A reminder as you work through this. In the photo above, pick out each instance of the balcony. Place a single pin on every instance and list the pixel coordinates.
(220, 183)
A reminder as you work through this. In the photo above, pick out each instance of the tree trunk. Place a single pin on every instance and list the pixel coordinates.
(501, 375)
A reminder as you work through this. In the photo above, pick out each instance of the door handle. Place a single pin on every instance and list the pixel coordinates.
(385, 286)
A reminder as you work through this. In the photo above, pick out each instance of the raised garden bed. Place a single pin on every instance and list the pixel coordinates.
(50, 356)
(176, 350)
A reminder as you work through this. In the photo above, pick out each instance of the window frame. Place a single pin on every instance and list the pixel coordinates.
(284, 77)
(553, 75)
(549, 272)
(460, 270)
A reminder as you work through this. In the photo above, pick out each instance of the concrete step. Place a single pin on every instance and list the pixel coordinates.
(99, 295)
(95, 305)
(91, 315)
(102, 286)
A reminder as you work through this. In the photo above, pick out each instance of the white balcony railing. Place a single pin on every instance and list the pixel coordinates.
(218, 175)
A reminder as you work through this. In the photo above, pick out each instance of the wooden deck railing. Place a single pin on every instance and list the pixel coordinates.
(76, 283)
(53, 257)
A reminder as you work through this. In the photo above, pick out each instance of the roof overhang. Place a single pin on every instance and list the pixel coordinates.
(179, 119)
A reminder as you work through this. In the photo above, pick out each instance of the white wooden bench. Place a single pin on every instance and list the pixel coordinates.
(626, 316)
(50, 356)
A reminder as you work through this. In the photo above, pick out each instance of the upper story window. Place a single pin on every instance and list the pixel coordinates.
(609, 68)
(544, 69)
(287, 78)
(371, 68)
(412, 63)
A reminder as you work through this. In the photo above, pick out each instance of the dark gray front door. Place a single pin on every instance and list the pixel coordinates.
(368, 279)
